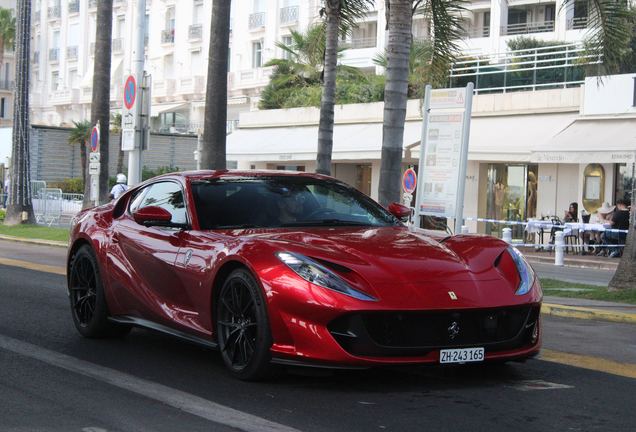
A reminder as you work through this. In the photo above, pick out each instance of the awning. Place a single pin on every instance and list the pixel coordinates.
(357, 141)
(510, 138)
(155, 110)
(597, 140)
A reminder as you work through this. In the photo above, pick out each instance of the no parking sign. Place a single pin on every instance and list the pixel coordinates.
(409, 181)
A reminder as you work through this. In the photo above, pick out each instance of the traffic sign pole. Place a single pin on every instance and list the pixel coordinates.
(94, 166)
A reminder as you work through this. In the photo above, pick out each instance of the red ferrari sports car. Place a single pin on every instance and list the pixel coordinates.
(284, 268)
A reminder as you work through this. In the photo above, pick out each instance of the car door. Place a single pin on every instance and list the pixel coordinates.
(142, 264)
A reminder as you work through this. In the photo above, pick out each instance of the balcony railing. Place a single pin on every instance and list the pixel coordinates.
(54, 12)
(359, 43)
(560, 66)
(91, 49)
(195, 31)
(118, 45)
(576, 23)
(289, 14)
(183, 128)
(7, 85)
(92, 4)
(36, 17)
(36, 57)
(54, 54)
(256, 20)
(477, 32)
(73, 6)
(146, 38)
(525, 28)
(167, 36)
(72, 52)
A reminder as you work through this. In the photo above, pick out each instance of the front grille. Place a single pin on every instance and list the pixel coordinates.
(417, 333)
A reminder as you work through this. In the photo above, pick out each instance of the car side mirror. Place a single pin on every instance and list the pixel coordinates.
(400, 211)
(152, 215)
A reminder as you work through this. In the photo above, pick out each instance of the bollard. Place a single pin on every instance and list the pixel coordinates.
(507, 235)
(558, 248)
(464, 229)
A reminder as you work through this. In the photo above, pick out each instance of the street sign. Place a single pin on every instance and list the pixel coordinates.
(95, 138)
(94, 168)
(128, 139)
(409, 181)
(93, 157)
(130, 92)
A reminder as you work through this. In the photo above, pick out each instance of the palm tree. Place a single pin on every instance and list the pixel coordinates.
(100, 103)
(213, 154)
(7, 32)
(20, 200)
(115, 125)
(80, 134)
(340, 16)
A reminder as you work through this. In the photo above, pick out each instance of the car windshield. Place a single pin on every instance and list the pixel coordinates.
(283, 201)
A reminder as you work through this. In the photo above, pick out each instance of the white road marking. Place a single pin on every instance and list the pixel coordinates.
(178, 399)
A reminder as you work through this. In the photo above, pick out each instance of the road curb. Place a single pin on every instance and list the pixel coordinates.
(51, 243)
(585, 313)
(574, 263)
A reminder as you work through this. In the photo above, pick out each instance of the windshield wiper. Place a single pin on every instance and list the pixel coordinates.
(326, 222)
(244, 226)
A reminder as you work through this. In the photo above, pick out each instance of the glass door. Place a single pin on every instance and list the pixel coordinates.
(511, 196)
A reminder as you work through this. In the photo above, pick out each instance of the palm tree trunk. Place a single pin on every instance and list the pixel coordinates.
(100, 103)
(120, 155)
(213, 155)
(325, 126)
(84, 158)
(395, 98)
(20, 201)
(1, 51)
(625, 276)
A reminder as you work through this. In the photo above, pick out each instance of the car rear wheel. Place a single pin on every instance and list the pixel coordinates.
(88, 302)
(243, 329)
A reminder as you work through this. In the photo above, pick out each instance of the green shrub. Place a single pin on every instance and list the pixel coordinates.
(2, 213)
(74, 186)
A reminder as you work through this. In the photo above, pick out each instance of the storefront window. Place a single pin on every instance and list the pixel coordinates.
(624, 180)
(512, 196)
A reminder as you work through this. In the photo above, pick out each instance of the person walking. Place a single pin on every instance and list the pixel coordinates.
(7, 184)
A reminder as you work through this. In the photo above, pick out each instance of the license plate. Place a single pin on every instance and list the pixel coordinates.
(463, 355)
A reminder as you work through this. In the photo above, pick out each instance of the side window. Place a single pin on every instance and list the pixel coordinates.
(167, 195)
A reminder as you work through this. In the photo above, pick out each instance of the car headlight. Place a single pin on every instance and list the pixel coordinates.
(526, 274)
(317, 274)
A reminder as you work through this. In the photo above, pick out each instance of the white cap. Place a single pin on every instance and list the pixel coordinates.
(121, 178)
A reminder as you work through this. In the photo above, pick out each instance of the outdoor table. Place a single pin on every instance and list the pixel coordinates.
(538, 227)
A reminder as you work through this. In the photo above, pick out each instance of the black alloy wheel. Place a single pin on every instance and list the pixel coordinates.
(88, 302)
(243, 329)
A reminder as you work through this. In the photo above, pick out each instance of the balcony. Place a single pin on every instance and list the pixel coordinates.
(92, 4)
(256, 21)
(54, 55)
(72, 52)
(118, 45)
(117, 94)
(146, 38)
(478, 32)
(527, 28)
(36, 57)
(359, 43)
(195, 32)
(36, 17)
(73, 7)
(289, 15)
(164, 90)
(576, 24)
(167, 37)
(190, 86)
(91, 49)
(7, 85)
(54, 12)
(183, 128)
(64, 97)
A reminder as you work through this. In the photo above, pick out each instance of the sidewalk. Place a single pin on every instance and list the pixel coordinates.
(559, 306)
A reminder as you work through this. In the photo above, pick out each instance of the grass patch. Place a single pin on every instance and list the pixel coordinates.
(36, 232)
(595, 293)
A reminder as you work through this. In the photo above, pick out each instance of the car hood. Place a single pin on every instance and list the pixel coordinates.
(394, 254)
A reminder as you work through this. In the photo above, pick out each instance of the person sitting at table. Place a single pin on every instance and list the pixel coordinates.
(620, 221)
(570, 216)
(603, 216)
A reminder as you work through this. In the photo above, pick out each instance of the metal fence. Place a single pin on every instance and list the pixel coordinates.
(50, 205)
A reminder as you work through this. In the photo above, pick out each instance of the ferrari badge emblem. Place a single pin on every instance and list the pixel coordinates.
(452, 295)
(453, 330)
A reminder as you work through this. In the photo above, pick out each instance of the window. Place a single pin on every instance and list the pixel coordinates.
(73, 35)
(3, 108)
(198, 14)
(260, 6)
(121, 27)
(195, 63)
(287, 41)
(167, 195)
(72, 78)
(257, 49)
(170, 19)
(55, 76)
(168, 66)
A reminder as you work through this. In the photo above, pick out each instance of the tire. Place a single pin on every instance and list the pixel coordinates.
(88, 302)
(243, 330)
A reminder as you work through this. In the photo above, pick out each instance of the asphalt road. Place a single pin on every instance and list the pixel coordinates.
(52, 379)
